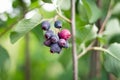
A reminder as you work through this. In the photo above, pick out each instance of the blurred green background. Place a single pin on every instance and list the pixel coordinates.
(29, 59)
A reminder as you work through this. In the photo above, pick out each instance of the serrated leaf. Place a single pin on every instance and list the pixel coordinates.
(24, 26)
(86, 33)
(111, 63)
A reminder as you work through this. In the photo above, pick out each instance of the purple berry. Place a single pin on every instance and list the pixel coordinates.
(48, 34)
(66, 45)
(47, 42)
(54, 38)
(58, 24)
(62, 42)
(55, 48)
(45, 25)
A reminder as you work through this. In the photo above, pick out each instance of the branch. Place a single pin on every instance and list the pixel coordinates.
(74, 53)
(106, 19)
(98, 49)
(86, 50)
(27, 58)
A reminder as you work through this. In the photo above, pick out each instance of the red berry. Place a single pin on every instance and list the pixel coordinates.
(64, 34)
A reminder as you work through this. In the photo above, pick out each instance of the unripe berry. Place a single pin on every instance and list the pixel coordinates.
(45, 25)
(64, 34)
(55, 48)
(58, 24)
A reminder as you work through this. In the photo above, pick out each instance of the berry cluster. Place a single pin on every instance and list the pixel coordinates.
(55, 41)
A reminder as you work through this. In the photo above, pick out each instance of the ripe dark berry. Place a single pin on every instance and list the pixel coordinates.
(64, 34)
(55, 48)
(47, 42)
(45, 25)
(54, 38)
(62, 42)
(48, 34)
(58, 24)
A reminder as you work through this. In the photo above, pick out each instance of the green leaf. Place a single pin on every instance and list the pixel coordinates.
(86, 33)
(116, 9)
(34, 5)
(114, 38)
(93, 12)
(109, 31)
(3, 56)
(38, 33)
(111, 63)
(63, 4)
(47, 1)
(24, 26)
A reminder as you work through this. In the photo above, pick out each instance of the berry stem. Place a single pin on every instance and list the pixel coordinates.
(65, 18)
(74, 52)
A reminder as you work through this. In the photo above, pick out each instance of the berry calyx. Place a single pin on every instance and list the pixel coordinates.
(45, 25)
(58, 24)
(64, 34)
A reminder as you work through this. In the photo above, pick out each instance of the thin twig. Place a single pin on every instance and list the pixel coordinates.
(86, 50)
(98, 49)
(65, 18)
(74, 53)
(106, 19)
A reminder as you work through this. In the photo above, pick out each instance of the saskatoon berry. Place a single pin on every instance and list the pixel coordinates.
(58, 24)
(48, 34)
(55, 48)
(64, 34)
(62, 42)
(54, 38)
(45, 25)
(47, 42)
(66, 45)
